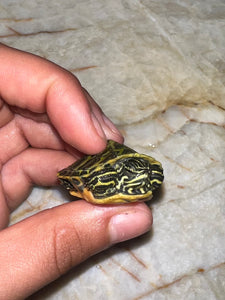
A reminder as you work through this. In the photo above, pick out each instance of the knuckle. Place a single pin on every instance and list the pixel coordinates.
(68, 247)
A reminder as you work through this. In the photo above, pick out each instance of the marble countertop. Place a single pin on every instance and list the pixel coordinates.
(157, 69)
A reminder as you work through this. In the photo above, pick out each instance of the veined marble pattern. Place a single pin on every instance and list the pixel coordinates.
(157, 68)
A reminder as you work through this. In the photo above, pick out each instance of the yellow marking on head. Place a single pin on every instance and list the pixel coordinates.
(75, 193)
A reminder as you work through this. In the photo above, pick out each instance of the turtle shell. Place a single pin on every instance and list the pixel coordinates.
(117, 175)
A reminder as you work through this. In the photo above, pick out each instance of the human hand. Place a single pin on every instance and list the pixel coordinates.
(46, 120)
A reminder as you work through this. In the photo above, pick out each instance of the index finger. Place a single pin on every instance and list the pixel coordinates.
(30, 82)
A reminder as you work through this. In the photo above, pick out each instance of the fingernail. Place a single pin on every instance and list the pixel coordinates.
(98, 127)
(128, 225)
(111, 126)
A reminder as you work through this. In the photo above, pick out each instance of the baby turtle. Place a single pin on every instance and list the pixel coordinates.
(116, 175)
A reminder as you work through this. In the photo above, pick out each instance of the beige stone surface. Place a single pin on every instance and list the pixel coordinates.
(157, 68)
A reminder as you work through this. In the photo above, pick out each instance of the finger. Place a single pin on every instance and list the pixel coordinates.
(110, 130)
(21, 133)
(39, 134)
(33, 83)
(18, 134)
(32, 166)
(50, 243)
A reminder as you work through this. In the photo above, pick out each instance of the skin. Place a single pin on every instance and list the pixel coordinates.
(46, 121)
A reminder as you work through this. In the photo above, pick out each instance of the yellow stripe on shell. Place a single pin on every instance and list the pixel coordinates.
(116, 199)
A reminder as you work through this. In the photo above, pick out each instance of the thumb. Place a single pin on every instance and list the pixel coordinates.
(45, 246)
